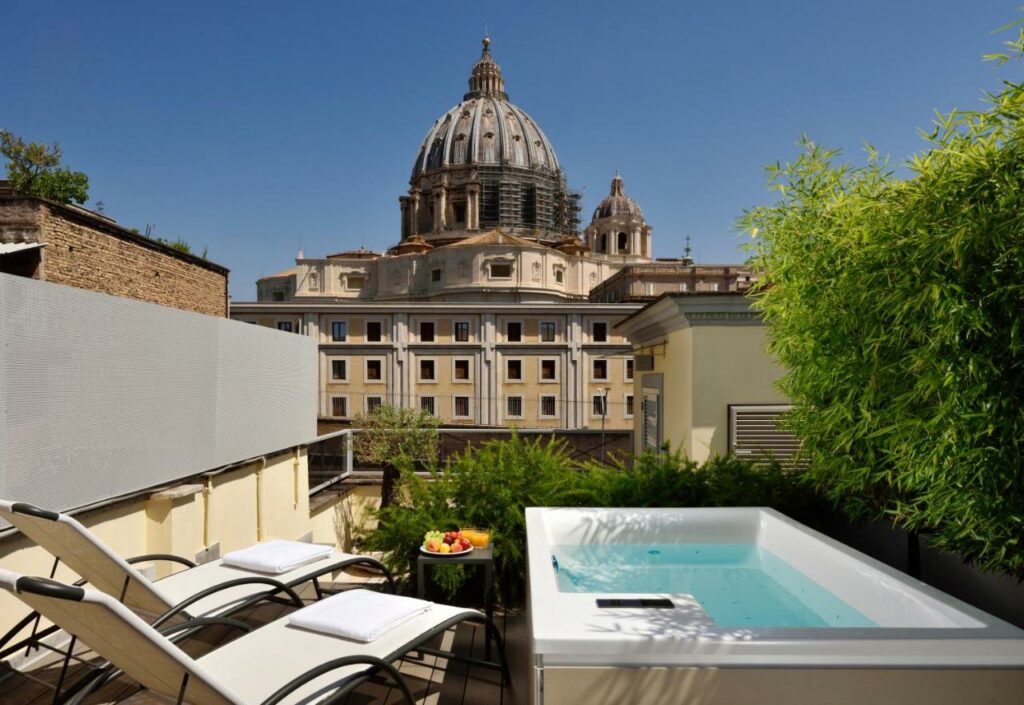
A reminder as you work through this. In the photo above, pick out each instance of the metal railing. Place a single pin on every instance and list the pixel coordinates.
(331, 457)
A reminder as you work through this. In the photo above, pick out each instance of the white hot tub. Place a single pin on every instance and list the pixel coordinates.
(745, 605)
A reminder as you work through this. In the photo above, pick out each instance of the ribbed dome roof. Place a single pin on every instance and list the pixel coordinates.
(485, 129)
(617, 202)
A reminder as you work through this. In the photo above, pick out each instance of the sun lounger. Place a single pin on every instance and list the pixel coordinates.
(82, 551)
(210, 589)
(277, 664)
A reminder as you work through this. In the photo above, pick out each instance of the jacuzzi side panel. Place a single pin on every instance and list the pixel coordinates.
(752, 686)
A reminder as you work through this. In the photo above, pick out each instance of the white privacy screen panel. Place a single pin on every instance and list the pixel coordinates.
(102, 396)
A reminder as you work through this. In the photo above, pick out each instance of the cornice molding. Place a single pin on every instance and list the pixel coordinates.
(676, 312)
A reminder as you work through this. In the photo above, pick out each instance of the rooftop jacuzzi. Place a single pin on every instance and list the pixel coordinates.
(744, 605)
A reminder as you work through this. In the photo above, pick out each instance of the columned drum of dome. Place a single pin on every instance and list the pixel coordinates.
(486, 164)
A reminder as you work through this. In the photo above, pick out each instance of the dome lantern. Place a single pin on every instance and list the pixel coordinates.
(617, 203)
(618, 188)
(486, 79)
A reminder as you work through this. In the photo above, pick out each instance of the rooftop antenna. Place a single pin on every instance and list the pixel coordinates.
(150, 229)
(688, 252)
(100, 205)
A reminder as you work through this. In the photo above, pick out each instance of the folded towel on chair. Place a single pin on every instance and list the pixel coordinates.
(360, 615)
(276, 556)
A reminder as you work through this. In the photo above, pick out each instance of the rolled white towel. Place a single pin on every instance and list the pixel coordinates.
(360, 615)
(276, 556)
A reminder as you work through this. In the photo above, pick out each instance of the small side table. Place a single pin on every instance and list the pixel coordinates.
(479, 557)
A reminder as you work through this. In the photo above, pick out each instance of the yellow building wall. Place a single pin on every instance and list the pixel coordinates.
(705, 369)
(676, 364)
(730, 366)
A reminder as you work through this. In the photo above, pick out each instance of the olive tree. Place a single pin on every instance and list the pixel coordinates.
(389, 436)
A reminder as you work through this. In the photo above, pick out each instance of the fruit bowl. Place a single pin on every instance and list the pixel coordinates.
(447, 543)
(423, 550)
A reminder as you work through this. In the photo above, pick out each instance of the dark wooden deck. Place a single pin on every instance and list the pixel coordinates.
(432, 680)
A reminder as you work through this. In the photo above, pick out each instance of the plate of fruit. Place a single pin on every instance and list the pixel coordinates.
(445, 543)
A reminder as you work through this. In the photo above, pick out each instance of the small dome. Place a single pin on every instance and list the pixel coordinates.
(485, 129)
(411, 245)
(617, 202)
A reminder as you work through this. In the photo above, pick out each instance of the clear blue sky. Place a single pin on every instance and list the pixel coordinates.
(251, 127)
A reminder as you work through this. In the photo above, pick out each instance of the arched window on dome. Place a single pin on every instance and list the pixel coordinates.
(623, 242)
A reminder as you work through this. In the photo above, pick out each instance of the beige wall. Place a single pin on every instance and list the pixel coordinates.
(705, 369)
(187, 520)
(575, 347)
(730, 366)
(464, 272)
(337, 520)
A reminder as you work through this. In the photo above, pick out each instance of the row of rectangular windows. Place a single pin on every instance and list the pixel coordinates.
(374, 370)
(513, 331)
(547, 406)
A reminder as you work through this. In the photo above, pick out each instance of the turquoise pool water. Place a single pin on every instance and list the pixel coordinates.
(738, 585)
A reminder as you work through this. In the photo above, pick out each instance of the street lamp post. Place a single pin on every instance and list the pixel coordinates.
(604, 415)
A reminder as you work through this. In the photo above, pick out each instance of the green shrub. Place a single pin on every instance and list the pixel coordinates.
(895, 306)
(487, 486)
(673, 480)
(491, 486)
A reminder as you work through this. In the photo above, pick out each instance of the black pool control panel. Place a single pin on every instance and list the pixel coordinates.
(653, 603)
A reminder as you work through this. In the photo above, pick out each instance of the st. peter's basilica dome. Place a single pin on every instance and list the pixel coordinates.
(486, 164)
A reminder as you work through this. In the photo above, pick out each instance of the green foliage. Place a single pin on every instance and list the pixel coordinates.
(492, 484)
(390, 433)
(393, 436)
(673, 480)
(180, 244)
(895, 306)
(34, 169)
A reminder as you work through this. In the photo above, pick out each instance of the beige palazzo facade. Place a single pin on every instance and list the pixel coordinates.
(481, 313)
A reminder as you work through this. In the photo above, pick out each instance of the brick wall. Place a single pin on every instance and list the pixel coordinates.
(88, 251)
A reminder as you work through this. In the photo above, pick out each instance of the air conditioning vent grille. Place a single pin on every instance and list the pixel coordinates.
(756, 432)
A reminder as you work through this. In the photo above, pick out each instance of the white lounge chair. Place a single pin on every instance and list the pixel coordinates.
(211, 589)
(276, 664)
